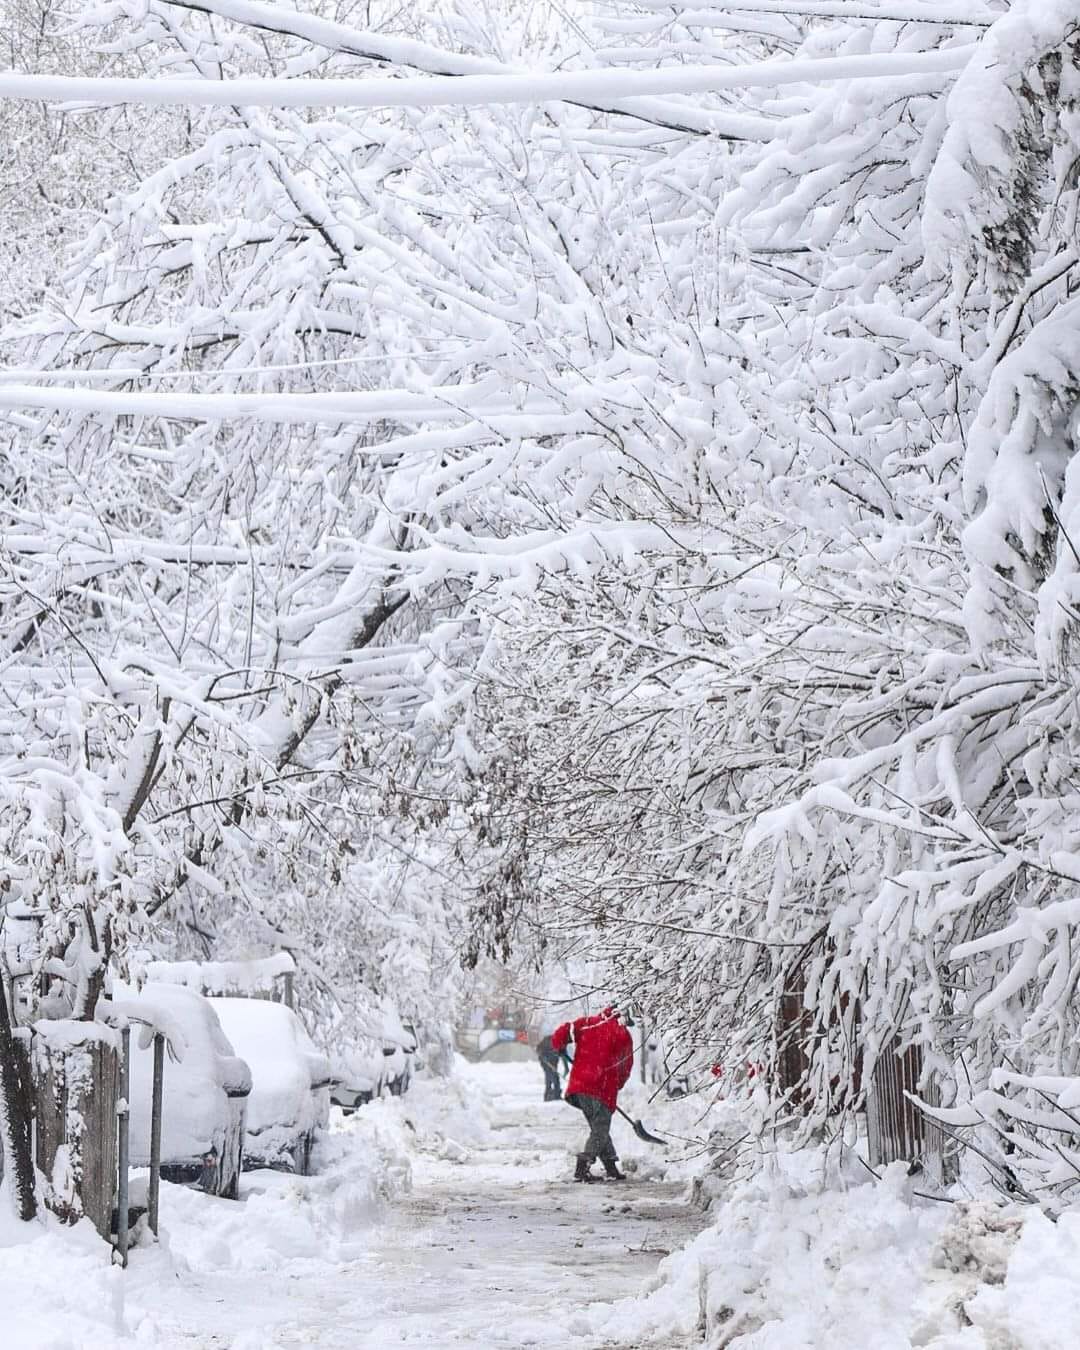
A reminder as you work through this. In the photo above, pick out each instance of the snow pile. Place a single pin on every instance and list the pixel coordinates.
(787, 1268)
(439, 1118)
(451, 1108)
(1037, 1305)
(363, 1165)
(289, 1219)
(57, 1288)
(794, 1264)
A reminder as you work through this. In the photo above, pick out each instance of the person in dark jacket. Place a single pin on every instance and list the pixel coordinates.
(549, 1059)
(603, 1060)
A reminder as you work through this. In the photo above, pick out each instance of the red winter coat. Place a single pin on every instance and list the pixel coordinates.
(603, 1055)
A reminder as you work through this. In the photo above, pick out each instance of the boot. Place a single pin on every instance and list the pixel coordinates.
(611, 1167)
(581, 1172)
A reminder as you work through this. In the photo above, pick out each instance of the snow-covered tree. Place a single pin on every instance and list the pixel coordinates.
(681, 485)
(847, 751)
(392, 332)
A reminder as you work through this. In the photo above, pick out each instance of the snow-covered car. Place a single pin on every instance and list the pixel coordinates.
(386, 1065)
(358, 1078)
(290, 1094)
(399, 1050)
(204, 1092)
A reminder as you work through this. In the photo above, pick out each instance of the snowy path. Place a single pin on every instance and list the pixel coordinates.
(495, 1250)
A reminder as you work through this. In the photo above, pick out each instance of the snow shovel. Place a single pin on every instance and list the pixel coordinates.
(640, 1130)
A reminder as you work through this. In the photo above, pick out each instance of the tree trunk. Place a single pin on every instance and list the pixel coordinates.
(16, 1132)
(97, 949)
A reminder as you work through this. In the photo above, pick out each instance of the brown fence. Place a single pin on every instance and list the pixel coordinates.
(897, 1129)
(794, 1037)
(76, 1078)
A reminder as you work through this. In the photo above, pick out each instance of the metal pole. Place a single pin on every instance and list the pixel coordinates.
(123, 1148)
(644, 1052)
(155, 1133)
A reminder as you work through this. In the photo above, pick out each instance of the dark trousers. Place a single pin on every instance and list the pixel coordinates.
(598, 1144)
(552, 1085)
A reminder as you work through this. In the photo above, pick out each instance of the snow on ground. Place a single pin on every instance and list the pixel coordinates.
(802, 1256)
(443, 1219)
(448, 1219)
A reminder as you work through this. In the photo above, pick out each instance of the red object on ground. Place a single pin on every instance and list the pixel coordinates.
(603, 1055)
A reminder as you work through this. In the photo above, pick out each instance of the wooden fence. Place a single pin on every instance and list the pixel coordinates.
(799, 1035)
(76, 1085)
(897, 1129)
(794, 1035)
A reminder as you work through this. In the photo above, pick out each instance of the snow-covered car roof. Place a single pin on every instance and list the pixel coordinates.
(394, 1030)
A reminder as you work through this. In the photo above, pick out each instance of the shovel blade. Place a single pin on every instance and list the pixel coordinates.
(643, 1133)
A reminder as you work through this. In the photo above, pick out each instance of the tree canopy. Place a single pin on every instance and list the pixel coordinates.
(597, 478)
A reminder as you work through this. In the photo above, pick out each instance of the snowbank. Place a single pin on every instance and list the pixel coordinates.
(284, 1219)
(450, 1107)
(57, 1288)
(363, 1164)
(803, 1256)
(60, 1292)
(1037, 1306)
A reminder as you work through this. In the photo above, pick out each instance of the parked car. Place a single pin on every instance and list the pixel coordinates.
(384, 1065)
(290, 1095)
(399, 1051)
(358, 1078)
(205, 1088)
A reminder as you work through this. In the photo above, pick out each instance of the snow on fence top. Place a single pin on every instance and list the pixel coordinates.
(242, 978)
(66, 1036)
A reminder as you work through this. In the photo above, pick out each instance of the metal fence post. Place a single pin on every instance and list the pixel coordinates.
(123, 1148)
(155, 1133)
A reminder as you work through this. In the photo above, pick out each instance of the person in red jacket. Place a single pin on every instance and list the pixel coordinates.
(603, 1059)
